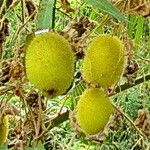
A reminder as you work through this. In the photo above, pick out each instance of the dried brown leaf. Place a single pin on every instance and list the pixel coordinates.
(75, 32)
(140, 7)
(11, 70)
(3, 34)
(66, 6)
(143, 120)
(31, 8)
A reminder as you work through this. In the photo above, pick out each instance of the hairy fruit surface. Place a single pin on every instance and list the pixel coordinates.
(3, 130)
(104, 61)
(49, 63)
(93, 111)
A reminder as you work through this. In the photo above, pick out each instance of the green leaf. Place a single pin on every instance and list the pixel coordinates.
(46, 14)
(4, 147)
(106, 6)
(131, 25)
(139, 31)
(149, 34)
(39, 147)
(29, 148)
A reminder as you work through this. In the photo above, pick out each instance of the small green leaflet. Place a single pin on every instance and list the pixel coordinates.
(106, 6)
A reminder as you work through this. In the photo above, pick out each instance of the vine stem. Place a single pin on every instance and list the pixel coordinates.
(23, 11)
(137, 81)
(54, 13)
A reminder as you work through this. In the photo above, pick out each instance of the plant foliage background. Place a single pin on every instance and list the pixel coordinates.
(40, 123)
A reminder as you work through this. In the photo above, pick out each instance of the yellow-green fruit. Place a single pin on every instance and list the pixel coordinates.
(104, 61)
(93, 111)
(49, 63)
(3, 130)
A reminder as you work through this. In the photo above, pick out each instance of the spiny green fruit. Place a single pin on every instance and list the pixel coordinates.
(104, 61)
(93, 111)
(49, 63)
(3, 130)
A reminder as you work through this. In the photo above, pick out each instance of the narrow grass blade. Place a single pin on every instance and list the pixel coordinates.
(131, 25)
(106, 6)
(139, 31)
